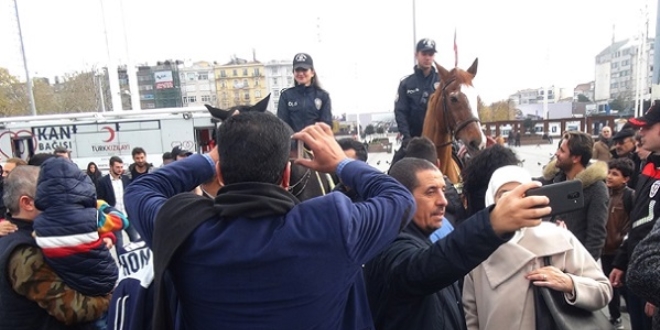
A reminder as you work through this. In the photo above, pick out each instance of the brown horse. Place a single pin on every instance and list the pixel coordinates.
(305, 183)
(452, 115)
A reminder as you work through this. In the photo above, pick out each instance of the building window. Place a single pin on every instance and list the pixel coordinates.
(150, 105)
(236, 94)
(246, 95)
(203, 76)
(245, 83)
(235, 72)
(256, 82)
(192, 99)
(289, 81)
(190, 76)
(275, 71)
(614, 85)
(223, 83)
(204, 87)
(276, 81)
(146, 87)
(276, 93)
(235, 83)
(245, 72)
(206, 98)
(256, 72)
(257, 93)
(223, 74)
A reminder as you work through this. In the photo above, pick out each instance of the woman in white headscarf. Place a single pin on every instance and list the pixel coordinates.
(498, 295)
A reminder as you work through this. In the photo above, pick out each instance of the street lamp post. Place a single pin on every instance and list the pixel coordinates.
(414, 21)
(28, 82)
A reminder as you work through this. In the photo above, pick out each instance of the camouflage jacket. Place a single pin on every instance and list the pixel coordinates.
(32, 278)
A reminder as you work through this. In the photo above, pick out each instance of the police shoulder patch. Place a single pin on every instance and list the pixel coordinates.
(654, 188)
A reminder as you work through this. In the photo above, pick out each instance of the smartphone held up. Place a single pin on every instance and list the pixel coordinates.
(566, 196)
(297, 149)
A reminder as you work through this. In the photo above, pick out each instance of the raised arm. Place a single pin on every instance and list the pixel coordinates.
(144, 197)
(373, 224)
(421, 271)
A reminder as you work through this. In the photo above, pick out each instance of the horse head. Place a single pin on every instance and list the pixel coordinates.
(222, 115)
(455, 103)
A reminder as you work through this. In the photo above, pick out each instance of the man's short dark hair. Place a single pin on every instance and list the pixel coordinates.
(478, 171)
(624, 165)
(580, 144)
(405, 171)
(360, 149)
(167, 156)
(137, 151)
(422, 147)
(115, 159)
(40, 158)
(255, 148)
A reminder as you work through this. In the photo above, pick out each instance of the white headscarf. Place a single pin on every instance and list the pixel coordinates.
(502, 176)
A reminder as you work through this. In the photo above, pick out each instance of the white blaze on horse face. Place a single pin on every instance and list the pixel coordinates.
(472, 96)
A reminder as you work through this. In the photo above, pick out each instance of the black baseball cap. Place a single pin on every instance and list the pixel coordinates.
(303, 60)
(178, 151)
(426, 45)
(624, 133)
(652, 116)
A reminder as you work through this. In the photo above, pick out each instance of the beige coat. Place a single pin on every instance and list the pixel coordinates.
(496, 294)
(601, 152)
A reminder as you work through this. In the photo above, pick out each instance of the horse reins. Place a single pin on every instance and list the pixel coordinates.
(457, 126)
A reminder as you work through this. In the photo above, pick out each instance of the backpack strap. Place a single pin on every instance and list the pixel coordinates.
(176, 220)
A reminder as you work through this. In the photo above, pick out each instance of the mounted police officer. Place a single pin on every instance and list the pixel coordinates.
(415, 91)
(306, 102)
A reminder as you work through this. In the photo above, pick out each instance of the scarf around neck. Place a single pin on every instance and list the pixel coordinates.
(253, 200)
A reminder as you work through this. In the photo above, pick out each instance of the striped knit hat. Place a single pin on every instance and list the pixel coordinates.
(109, 218)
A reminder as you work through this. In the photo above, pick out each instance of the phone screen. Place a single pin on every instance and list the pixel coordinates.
(297, 149)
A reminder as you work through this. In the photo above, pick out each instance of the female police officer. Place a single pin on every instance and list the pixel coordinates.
(306, 102)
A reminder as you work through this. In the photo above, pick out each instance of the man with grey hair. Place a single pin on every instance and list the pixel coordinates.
(32, 296)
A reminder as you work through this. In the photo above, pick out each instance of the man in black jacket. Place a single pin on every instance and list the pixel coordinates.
(414, 92)
(412, 283)
(635, 269)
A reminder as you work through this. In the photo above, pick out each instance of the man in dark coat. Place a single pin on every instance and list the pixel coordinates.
(412, 283)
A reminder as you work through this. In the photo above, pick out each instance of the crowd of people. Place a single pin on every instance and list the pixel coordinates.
(218, 241)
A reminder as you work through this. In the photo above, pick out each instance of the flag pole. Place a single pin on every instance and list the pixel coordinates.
(455, 50)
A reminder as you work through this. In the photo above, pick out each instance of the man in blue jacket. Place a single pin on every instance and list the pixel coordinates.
(264, 260)
(413, 283)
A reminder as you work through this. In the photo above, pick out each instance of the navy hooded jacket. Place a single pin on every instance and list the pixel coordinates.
(67, 228)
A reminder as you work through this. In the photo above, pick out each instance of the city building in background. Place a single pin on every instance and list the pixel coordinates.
(198, 84)
(240, 82)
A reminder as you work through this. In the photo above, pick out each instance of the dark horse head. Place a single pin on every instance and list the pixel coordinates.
(304, 183)
(222, 115)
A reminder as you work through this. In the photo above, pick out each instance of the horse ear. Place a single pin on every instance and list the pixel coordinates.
(218, 113)
(473, 68)
(262, 105)
(441, 71)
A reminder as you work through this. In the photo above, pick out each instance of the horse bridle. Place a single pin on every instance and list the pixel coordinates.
(457, 126)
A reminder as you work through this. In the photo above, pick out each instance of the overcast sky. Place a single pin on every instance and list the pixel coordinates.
(361, 48)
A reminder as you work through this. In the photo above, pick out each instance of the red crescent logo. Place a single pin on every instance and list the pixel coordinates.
(111, 131)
